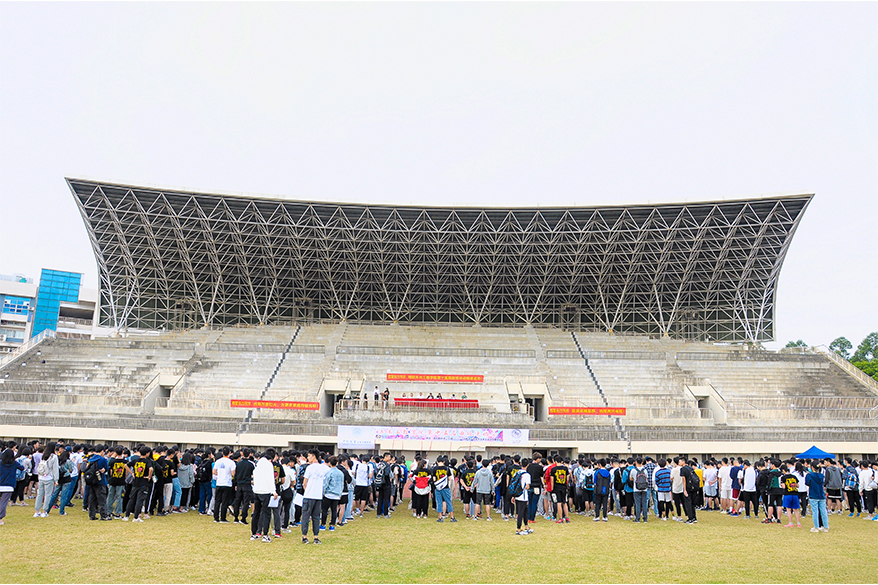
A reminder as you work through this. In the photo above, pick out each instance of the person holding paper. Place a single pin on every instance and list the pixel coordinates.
(263, 490)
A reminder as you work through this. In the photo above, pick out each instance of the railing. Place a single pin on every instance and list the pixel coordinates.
(626, 355)
(264, 347)
(26, 347)
(69, 399)
(435, 352)
(563, 354)
(849, 368)
(75, 321)
(744, 356)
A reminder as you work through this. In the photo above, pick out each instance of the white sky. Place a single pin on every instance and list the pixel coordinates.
(481, 104)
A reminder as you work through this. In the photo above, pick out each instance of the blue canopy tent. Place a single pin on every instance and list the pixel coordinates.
(815, 453)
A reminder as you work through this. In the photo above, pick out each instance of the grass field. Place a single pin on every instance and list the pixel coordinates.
(188, 548)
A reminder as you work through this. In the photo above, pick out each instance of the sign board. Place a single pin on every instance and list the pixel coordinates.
(357, 437)
(279, 404)
(586, 410)
(450, 378)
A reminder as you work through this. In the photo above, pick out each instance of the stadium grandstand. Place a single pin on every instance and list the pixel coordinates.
(271, 322)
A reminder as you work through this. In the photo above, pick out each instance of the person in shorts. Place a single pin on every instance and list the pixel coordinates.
(558, 482)
(790, 497)
(483, 484)
(833, 485)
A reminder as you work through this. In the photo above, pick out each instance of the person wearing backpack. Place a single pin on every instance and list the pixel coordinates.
(866, 484)
(588, 488)
(47, 476)
(775, 492)
(96, 479)
(420, 488)
(640, 484)
(383, 485)
(851, 488)
(691, 483)
(602, 489)
(204, 475)
(518, 488)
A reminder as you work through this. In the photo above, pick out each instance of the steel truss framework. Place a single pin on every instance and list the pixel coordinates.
(170, 259)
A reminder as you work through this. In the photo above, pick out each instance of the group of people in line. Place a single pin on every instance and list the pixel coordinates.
(275, 492)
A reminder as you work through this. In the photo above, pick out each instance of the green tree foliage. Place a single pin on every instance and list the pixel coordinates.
(842, 347)
(798, 343)
(868, 348)
(866, 356)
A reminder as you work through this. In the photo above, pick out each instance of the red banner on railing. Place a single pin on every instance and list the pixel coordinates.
(454, 378)
(276, 404)
(576, 410)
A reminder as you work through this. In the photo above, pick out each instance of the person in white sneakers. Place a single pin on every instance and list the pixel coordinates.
(264, 489)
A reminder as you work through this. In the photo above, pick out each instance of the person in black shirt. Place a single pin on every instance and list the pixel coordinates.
(142, 470)
(535, 469)
(690, 480)
(244, 488)
(161, 473)
(116, 481)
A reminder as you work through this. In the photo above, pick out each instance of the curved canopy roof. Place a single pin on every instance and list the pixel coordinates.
(170, 259)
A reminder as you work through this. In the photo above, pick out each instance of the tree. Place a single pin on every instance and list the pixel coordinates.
(868, 349)
(842, 347)
(798, 343)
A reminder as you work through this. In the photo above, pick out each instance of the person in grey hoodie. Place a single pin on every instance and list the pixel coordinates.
(483, 483)
(186, 475)
(47, 481)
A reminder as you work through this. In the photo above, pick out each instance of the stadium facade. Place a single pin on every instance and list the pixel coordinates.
(259, 321)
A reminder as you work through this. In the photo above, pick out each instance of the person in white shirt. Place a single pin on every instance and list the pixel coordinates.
(224, 472)
(748, 493)
(363, 477)
(521, 500)
(725, 485)
(312, 501)
(711, 487)
(264, 489)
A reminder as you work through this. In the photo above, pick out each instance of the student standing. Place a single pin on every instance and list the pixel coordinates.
(313, 497)
(244, 488)
(817, 497)
(142, 469)
(420, 488)
(264, 488)
(224, 472)
(442, 482)
(522, 477)
(118, 467)
(9, 468)
(602, 489)
(483, 482)
(833, 486)
(333, 486)
(790, 497)
(47, 476)
(748, 494)
(640, 483)
(97, 493)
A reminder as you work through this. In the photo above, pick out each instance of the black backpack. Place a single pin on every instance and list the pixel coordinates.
(92, 474)
(205, 473)
(641, 483)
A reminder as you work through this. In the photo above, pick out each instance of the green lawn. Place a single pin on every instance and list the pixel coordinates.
(188, 548)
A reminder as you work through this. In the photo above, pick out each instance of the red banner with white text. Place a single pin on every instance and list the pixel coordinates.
(279, 404)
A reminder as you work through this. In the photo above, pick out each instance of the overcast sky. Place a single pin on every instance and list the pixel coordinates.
(480, 104)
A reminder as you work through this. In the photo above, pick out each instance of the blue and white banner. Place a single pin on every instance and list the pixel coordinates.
(361, 437)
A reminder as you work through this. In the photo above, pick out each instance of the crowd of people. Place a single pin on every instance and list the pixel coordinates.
(277, 492)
